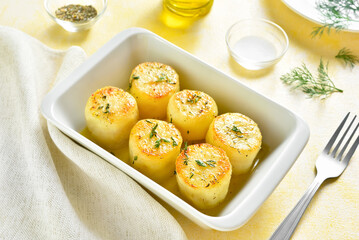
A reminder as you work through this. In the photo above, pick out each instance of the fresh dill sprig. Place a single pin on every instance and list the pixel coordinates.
(301, 78)
(336, 14)
(347, 56)
(318, 31)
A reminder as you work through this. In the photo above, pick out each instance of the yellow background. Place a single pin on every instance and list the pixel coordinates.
(334, 211)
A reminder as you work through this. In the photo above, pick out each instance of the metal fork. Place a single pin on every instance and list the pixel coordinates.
(329, 165)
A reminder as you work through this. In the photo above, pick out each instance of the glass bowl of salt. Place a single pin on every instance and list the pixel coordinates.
(256, 43)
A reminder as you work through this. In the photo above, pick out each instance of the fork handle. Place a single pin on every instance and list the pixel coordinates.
(287, 227)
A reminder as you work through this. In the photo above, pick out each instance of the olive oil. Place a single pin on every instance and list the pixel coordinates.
(189, 8)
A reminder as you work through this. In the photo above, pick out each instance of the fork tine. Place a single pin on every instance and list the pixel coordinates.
(342, 138)
(351, 150)
(335, 135)
(347, 143)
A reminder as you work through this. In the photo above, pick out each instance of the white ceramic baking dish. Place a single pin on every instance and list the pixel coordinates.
(284, 132)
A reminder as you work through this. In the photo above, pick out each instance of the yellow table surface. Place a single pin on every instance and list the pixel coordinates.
(334, 211)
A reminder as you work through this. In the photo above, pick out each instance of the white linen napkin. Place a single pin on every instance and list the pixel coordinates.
(50, 187)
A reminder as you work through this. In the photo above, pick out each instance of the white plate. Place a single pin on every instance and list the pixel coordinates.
(307, 9)
(284, 132)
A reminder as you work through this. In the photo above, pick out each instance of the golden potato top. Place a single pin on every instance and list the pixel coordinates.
(110, 103)
(238, 131)
(155, 137)
(202, 165)
(155, 79)
(194, 103)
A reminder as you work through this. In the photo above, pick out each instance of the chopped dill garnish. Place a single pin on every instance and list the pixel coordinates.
(185, 146)
(134, 159)
(185, 162)
(201, 163)
(158, 142)
(160, 79)
(153, 131)
(347, 56)
(174, 143)
(164, 78)
(194, 98)
(130, 83)
(301, 78)
(235, 129)
(107, 108)
(185, 150)
(211, 163)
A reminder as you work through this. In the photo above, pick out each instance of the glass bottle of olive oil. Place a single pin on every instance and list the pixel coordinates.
(189, 8)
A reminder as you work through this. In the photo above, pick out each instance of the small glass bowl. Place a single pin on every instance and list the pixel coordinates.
(256, 43)
(52, 5)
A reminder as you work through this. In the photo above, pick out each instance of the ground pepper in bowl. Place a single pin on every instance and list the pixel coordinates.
(76, 13)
